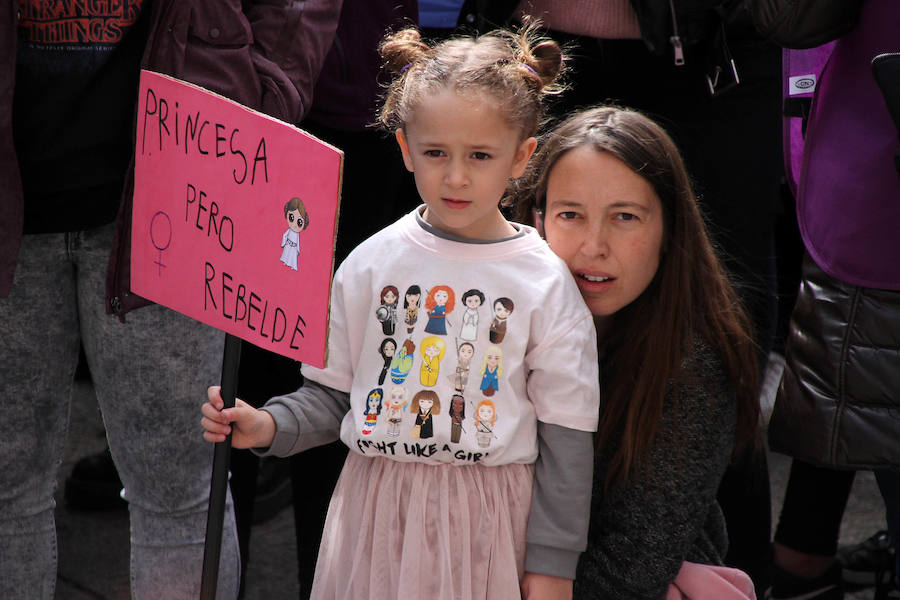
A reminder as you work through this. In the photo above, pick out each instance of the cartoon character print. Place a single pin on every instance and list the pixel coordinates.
(491, 370)
(460, 378)
(473, 299)
(402, 361)
(297, 219)
(432, 350)
(386, 350)
(387, 312)
(396, 402)
(372, 410)
(411, 300)
(439, 303)
(485, 418)
(425, 404)
(457, 416)
(503, 307)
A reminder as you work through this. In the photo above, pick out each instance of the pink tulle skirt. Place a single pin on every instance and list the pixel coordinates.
(410, 530)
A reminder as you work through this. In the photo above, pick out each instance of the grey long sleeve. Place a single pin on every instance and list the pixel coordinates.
(304, 419)
(561, 501)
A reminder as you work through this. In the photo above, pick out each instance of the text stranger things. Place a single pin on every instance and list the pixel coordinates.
(234, 218)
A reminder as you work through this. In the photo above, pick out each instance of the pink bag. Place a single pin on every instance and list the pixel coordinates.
(710, 582)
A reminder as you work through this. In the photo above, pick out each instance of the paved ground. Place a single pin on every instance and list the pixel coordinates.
(93, 546)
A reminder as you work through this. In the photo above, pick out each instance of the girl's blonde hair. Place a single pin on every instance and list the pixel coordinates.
(499, 360)
(515, 68)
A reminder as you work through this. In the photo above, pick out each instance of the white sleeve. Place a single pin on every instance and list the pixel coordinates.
(564, 381)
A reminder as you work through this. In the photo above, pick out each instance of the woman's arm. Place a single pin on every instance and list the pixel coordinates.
(642, 532)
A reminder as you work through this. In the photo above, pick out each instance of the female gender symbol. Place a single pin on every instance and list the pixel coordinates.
(168, 236)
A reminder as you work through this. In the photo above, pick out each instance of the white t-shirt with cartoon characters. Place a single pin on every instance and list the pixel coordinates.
(423, 385)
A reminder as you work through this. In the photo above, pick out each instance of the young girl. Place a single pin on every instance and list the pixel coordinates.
(680, 378)
(436, 518)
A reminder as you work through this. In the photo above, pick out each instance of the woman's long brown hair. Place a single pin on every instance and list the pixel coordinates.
(690, 297)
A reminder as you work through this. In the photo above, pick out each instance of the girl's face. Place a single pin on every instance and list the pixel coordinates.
(441, 297)
(493, 359)
(412, 299)
(462, 151)
(389, 297)
(466, 352)
(473, 301)
(606, 222)
(389, 349)
(432, 350)
(295, 220)
(425, 404)
(485, 412)
(396, 399)
(373, 402)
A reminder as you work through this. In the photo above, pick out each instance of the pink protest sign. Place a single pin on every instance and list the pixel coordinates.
(234, 218)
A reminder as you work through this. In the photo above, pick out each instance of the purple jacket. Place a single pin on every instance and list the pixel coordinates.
(265, 54)
(848, 204)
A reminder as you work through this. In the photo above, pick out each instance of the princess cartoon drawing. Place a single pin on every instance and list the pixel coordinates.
(460, 377)
(503, 307)
(439, 303)
(491, 370)
(485, 417)
(432, 350)
(372, 410)
(297, 219)
(402, 361)
(411, 300)
(386, 351)
(387, 312)
(425, 404)
(396, 402)
(457, 415)
(473, 299)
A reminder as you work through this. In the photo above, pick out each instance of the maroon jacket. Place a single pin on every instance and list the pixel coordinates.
(265, 54)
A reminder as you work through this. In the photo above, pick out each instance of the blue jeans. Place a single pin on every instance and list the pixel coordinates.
(150, 375)
(889, 485)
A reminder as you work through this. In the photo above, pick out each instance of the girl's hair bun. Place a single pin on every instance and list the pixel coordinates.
(402, 48)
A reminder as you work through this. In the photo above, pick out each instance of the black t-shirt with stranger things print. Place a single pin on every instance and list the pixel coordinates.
(77, 69)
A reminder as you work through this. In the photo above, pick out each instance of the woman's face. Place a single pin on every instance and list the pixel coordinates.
(485, 412)
(432, 350)
(412, 299)
(473, 301)
(441, 297)
(373, 402)
(492, 358)
(606, 223)
(466, 352)
(425, 404)
(389, 297)
(388, 349)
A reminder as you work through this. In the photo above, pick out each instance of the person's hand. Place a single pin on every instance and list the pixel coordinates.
(250, 428)
(536, 586)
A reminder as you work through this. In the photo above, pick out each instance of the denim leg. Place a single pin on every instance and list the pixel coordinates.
(39, 352)
(150, 376)
(889, 484)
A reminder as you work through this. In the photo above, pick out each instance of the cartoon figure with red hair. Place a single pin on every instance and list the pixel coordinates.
(439, 303)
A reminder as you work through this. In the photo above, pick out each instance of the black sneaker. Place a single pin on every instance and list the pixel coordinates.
(868, 563)
(94, 484)
(787, 586)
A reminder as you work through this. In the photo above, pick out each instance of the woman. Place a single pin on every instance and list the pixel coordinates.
(679, 367)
